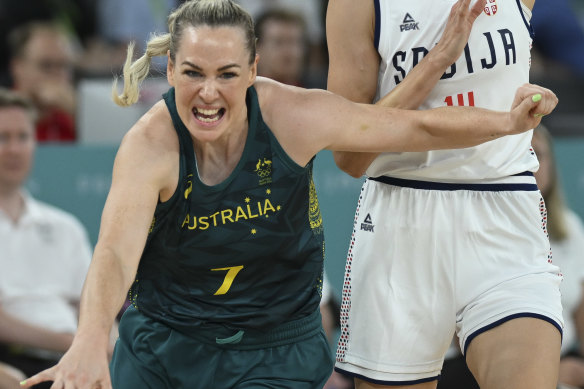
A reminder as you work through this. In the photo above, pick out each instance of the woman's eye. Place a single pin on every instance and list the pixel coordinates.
(192, 73)
(228, 75)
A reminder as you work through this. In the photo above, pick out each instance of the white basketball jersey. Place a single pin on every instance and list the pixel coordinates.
(494, 64)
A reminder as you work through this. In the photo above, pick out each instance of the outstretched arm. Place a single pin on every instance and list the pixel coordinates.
(354, 63)
(440, 128)
(307, 121)
(139, 170)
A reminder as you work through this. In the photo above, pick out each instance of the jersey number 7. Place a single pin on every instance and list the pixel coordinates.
(229, 277)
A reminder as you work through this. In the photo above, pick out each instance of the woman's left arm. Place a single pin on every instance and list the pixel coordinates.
(307, 121)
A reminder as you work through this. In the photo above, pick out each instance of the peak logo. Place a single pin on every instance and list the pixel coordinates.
(408, 24)
(367, 224)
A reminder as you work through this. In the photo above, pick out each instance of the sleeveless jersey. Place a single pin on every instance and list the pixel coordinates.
(244, 254)
(494, 64)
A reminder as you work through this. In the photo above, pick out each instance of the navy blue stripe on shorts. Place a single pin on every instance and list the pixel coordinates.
(446, 186)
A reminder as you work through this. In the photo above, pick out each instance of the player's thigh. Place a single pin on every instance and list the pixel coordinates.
(360, 384)
(523, 353)
(127, 372)
(303, 364)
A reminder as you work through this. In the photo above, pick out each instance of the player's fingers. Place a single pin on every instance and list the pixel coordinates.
(527, 105)
(547, 103)
(551, 101)
(528, 90)
(58, 384)
(72, 385)
(43, 376)
(454, 9)
(477, 8)
(522, 114)
(462, 5)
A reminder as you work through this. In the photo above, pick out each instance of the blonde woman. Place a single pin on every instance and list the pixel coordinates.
(212, 219)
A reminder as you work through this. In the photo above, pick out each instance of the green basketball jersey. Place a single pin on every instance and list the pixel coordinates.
(247, 253)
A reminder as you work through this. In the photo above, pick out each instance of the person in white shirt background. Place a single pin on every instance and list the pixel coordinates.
(566, 233)
(45, 253)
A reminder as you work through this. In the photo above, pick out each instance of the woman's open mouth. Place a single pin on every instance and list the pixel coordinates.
(208, 115)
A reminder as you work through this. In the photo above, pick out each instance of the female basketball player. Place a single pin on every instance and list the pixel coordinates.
(212, 219)
(460, 243)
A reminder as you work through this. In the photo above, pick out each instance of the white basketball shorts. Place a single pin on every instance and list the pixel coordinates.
(427, 260)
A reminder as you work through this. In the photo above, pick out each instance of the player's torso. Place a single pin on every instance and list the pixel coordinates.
(234, 252)
(493, 65)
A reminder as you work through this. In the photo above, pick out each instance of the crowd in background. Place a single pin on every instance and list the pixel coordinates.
(50, 48)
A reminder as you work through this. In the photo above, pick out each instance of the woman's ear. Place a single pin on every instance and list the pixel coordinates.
(170, 69)
(254, 70)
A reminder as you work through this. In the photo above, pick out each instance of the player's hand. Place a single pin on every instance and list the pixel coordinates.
(82, 367)
(531, 103)
(458, 27)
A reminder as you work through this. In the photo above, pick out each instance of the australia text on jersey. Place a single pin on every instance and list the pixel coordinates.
(230, 215)
(502, 38)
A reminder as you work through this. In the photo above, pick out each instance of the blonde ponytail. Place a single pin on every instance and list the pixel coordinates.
(191, 13)
(135, 72)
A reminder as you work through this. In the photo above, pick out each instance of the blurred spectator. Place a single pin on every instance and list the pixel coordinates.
(558, 42)
(41, 66)
(44, 257)
(282, 46)
(76, 16)
(566, 233)
(313, 12)
(120, 22)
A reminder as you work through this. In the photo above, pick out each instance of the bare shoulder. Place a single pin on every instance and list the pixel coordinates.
(151, 145)
(266, 88)
(298, 117)
(154, 129)
(277, 98)
(273, 97)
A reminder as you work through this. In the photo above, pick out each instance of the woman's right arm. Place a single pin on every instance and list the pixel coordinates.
(140, 174)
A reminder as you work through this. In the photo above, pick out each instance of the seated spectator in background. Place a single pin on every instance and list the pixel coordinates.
(282, 45)
(45, 254)
(566, 233)
(312, 13)
(121, 22)
(41, 67)
(77, 16)
(558, 40)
